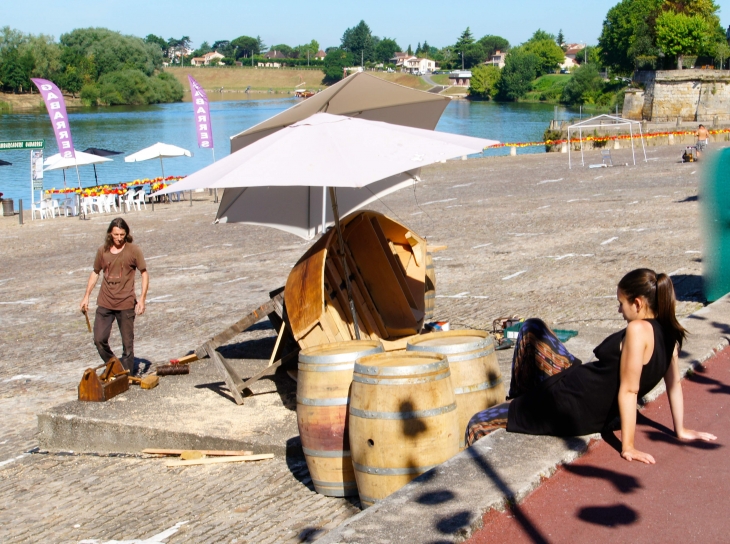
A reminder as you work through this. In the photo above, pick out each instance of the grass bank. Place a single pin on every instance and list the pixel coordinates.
(235, 78)
(10, 102)
(407, 80)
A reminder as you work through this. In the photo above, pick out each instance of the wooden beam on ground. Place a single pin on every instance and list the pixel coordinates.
(213, 453)
(231, 377)
(268, 371)
(216, 460)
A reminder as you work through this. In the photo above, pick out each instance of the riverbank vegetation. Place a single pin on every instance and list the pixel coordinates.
(99, 65)
(236, 79)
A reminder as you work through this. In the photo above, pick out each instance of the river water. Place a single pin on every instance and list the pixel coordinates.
(129, 129)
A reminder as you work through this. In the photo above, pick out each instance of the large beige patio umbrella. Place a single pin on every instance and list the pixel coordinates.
(360, 95)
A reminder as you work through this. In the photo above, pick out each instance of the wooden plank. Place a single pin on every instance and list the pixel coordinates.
(219, 460)
(380, 279)
(304, 288)
(416, 247)
(213, 453)
(231, 377)
(336, 313)
(276, 345)
(434, 249)
(329, 327)
(362, 289)
(395, 264)
(315, 337)
(363, 314)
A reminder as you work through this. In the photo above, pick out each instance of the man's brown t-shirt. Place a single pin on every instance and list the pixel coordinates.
(117, 285)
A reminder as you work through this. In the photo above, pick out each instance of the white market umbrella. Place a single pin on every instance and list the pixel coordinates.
(56, 162)
(158, 151)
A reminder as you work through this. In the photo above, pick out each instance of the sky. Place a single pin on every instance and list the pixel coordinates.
(298, 22)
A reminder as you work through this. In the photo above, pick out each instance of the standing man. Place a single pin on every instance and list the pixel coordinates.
(703, 136)
(119, 258)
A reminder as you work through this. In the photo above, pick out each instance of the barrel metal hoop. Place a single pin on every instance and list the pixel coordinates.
(400, 381)
(401, 370)
(391, 471)
(415, 414)
(323, 453)
(323, 402)
(339, 357)
(325, 368)
(366, 499)
(451, 348)
(457, 358)
(477, 387)
(335, 489)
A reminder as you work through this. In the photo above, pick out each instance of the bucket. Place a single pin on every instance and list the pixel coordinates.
(323, 389)
(8, 207)
(403, 420)
(475, 373)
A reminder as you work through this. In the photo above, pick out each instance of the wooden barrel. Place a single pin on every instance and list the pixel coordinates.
(475, 373)
(430, 297)
(323, 390)
(402, 420)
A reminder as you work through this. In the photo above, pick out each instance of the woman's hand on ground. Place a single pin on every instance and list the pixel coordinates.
(688, 434)
(631, 454)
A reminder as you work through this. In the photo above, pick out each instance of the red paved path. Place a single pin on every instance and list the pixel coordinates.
(685, 497)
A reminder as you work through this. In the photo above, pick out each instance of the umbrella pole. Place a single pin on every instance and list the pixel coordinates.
(96, 178)
(333, 198)
(82, 214)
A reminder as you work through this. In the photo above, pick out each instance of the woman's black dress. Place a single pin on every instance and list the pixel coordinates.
(583, 399)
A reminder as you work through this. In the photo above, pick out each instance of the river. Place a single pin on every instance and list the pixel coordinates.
(131, 128)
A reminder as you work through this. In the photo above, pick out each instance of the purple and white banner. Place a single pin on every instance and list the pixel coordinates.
(59, 119)
(202, 114)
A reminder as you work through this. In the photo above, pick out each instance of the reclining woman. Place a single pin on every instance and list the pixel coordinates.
(553, 393)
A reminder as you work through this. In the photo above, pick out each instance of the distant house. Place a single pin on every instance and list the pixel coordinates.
(572, 49)
(209, 58)
(320, 55)
(497, 59)
(271, 55)
(412, 64)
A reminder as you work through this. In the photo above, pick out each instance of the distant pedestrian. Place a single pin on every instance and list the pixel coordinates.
(119, 259)
(703, 137)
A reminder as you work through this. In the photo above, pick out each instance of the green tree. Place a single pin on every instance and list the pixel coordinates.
(492, 44)
(464, 40)
(519, 71)
(628, 32)
(548, 53)
(484, 82)
(284, 49)
(15, 70)
(560, 39)
(474, 55)
(159, 41)
(722, 53)
(71, 80)
(246, 46)
(541, 35)
(386, 50)
(310, 48)
(595, 56)
(678, 34)
(46, 56)
(202, 50)
(358, 40)
(409, 50)
(585, 86)
(334, 64)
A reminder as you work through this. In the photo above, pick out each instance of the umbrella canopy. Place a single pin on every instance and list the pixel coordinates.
(324, 150)
(56, 162)
(360, 95)
(101, 152)
(5, 163)
(158, 151)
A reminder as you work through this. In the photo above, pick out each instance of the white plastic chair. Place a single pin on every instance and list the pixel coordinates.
(111, 201)
(68, 205)
(42, 208)
(128, 199)
(139, 199)
(87, 205)
(54, 207)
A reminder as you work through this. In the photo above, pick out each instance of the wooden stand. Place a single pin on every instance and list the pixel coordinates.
(100, 388)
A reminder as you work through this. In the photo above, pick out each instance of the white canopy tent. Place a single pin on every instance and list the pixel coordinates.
(604, 122)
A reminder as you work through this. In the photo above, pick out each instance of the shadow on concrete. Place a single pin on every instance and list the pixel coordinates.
(433, 498)
(609, 516)
(624, 483)
(688, 287)
(532, 532)
(141, 366)
(693, 198)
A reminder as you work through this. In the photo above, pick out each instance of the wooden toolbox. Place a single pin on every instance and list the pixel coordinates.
(101, 387)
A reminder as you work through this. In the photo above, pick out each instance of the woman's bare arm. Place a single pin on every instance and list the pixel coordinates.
(637, 342)
(672, 381)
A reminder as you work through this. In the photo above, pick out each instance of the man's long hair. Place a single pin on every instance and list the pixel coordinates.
(120, 224)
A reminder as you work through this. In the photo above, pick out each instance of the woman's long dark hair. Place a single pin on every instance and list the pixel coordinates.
(120, 224)
(658, 290)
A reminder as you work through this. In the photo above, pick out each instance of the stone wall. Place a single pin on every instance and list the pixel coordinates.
(690, 95)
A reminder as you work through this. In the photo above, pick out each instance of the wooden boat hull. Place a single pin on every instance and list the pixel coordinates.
(387, 264)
